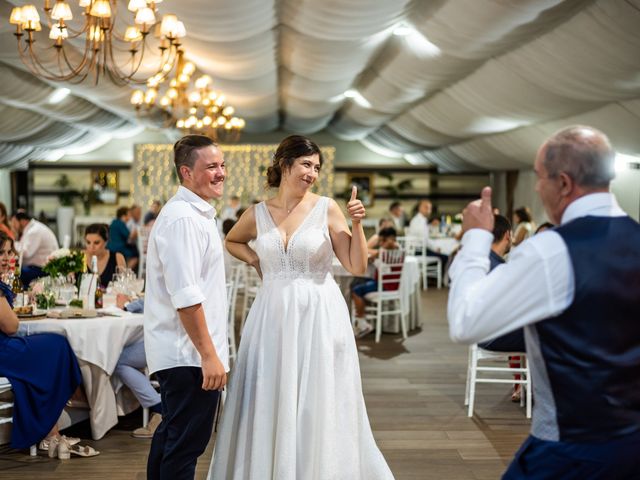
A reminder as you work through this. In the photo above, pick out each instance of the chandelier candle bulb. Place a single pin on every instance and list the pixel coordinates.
(61, 11)
(101, 9)
(135, 5)
(17, 17)
(169, 25)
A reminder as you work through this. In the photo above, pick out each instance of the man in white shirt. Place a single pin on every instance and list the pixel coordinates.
(36, 242)
(185, 327)
(419, 228)
(580, 310)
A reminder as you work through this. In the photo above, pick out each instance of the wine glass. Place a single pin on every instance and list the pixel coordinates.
(67, 292)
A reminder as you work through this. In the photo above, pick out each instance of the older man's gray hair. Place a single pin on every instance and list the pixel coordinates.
(583, 153)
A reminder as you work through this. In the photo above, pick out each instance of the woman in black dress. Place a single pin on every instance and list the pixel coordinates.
(96, 237)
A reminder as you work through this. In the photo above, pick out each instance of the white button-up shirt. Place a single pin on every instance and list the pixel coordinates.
(536, 283)
(185, 267)
(419, 228)
(36, 244)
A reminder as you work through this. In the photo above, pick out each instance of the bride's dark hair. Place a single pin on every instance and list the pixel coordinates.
(292, 147)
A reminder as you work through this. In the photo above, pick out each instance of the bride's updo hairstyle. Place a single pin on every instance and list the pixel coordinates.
(292, 147)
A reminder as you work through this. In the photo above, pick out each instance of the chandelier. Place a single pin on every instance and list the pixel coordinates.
(94, 43)
(197, 109)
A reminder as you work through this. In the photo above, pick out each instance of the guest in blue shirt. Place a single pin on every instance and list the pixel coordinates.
(119, 238)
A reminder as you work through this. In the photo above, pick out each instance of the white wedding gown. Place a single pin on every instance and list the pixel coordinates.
(294, 409)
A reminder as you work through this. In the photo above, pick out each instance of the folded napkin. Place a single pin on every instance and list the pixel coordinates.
(73, 313)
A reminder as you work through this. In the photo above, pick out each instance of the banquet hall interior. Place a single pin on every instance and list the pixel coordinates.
(418, 103)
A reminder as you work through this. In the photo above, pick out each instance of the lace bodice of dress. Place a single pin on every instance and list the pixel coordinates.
(309, 252)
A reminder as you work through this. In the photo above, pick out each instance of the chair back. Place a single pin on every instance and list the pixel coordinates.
(390, 265)
(415, 246)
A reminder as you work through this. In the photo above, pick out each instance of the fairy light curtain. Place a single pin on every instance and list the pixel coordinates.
(154, 175)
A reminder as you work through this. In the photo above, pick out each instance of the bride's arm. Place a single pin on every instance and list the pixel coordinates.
(240, 235)
(351, 249)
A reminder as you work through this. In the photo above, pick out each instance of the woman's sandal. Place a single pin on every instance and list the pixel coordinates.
(83, 450)
(59, 447)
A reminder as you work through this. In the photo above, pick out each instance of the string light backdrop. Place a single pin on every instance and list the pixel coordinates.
(154, 175)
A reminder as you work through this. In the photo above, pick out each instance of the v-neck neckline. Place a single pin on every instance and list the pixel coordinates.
(285, 244)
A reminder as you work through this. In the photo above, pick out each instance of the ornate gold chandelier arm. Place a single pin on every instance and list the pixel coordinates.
(102, 50)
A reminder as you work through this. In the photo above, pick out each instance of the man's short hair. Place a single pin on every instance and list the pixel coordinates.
(21, 214)
(387, 232)
(583, 153)
(184, 150)
(122, 211)
(501, 225)
(394, 205)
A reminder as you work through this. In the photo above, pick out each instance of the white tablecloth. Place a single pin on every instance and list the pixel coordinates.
(95, 340)
(409, 288)
(97, 343)
(446, 245)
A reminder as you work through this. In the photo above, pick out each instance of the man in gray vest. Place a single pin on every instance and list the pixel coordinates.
(576, 291)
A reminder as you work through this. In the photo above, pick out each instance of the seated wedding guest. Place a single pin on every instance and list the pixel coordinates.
(374, 240)
(4, 221)
(419, 228)
(96, 237)
(544, 226)
(43, 372)
(229, 260)
(230, 212)
(386, 241)
(36, 243)
(153, 212)
(400, 220)
(129, 369)
(119, 238)
(512, 341)
(524, 225)
(134, 222)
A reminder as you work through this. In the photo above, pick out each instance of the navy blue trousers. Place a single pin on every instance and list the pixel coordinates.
(188, 412)
(617, 459)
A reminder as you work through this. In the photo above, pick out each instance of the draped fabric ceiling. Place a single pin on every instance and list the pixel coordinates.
(475, 85)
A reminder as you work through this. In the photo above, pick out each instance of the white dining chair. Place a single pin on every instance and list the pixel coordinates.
(5, 387)
(477, 373)
(387, 300)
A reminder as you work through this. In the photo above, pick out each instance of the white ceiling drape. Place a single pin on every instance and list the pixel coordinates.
(474, 85)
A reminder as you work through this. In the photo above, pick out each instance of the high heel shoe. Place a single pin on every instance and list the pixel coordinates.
(58, 446)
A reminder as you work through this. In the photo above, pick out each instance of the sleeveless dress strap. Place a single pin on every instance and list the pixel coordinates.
(262, 221)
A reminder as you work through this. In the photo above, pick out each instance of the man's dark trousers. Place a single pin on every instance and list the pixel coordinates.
(188, 412)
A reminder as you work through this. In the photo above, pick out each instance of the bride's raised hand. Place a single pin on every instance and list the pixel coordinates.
(355, 208)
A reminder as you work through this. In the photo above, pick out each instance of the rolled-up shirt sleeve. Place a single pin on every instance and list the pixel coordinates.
(181, 248)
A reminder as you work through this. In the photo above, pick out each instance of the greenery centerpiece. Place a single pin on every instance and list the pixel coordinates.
(64, 262)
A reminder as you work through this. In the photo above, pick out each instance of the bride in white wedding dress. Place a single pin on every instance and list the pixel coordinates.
(294, 409)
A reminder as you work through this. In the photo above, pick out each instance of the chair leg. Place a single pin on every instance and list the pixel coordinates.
(33, 451)
(403, 321)
(425, 277)
(466, 389)
(145, 417)
(472, 384)
(378, 320)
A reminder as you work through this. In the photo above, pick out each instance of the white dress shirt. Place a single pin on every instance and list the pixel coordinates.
(185, 267)
(36, 244)
(419, 228)
(536, 283)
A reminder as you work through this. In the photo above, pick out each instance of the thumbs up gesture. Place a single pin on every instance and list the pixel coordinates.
(355, 208)
(479, 213)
